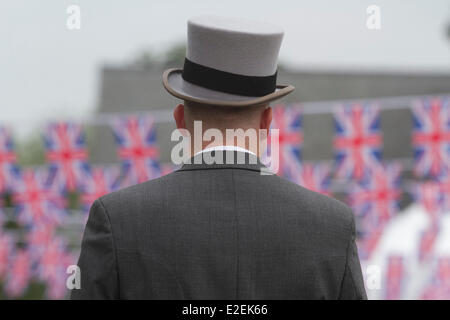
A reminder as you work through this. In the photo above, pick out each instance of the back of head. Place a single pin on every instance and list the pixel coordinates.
(223, 117)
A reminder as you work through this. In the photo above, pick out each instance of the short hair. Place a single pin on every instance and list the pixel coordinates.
(222, 117)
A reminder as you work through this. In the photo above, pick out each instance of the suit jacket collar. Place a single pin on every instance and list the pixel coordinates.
(225, 160)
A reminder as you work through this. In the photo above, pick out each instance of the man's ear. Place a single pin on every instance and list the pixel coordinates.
(178, 115)
(266, 119)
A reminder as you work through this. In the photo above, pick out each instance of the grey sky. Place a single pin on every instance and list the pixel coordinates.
(48, 71)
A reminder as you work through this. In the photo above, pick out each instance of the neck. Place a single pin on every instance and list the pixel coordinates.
(250, 139)
(253, 148)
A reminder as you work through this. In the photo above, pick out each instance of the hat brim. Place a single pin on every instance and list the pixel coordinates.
(178, 87)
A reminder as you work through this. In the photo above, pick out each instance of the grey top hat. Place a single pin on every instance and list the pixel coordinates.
(229, 61)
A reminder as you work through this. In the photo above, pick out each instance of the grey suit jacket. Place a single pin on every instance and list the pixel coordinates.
(219, 232)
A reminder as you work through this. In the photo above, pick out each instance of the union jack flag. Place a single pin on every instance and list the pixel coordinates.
(439, 286)
(431, 136)
(8, 168)
(288, 121)
(37, 200)
(315, 177)
(56, 287)
(6, 248)
(429, 195)
(98, 182)
(357, 141)
(369, 241)
(136, 139)
(444, 189)
(53, 261)
(38, 238)
(19, 274)
(375, 197)
(52, 266)
(66, 153)
(427, 242)
(395, 276)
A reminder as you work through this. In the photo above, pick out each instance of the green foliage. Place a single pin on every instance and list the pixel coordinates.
(35, 291)
(146, 60)
(31, 151)
(7, 200)
(172, 57)
(11, 225)
(73, 200)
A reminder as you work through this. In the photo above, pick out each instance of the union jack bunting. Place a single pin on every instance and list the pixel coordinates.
(66, 153)
(427, 241)
(38, 238)
(395, 275)
(288, 121)
(315, 177)
(429, 195)
(376, 196)
(56, 282)
(136, 140)
(6, 248)
(53, 261)
(56, 287)
(431, 136)
(358, 140)
(19, 274)
(98, 182)
(8, 168)
(369, 241)
(444, 189)
(38, 200)
(439, 286)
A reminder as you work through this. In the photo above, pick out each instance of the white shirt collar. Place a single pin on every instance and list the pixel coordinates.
(225, 148)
